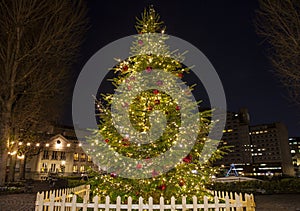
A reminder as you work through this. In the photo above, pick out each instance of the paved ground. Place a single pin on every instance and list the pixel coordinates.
(284, 202)
(278, 202)
(17, 202)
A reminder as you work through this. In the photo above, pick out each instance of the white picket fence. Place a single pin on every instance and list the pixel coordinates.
(67, 201)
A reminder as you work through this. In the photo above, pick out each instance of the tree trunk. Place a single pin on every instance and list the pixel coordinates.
(4, 140)
(23, 168)
(12, 167)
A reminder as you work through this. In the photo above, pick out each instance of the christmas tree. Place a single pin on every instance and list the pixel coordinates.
(129, 145)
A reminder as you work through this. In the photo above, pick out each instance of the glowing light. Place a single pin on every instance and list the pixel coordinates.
(47, 145)
(20, 156)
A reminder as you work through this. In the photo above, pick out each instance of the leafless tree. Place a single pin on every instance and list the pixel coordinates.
(278, 21)
(39, 40)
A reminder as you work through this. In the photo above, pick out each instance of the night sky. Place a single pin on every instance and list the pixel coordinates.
(223, 31)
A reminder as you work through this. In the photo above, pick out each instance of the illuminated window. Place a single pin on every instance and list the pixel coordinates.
(76, 156)
(82, 157)
(44, 168)
(82, 168)
(89, 158)
(75, 168)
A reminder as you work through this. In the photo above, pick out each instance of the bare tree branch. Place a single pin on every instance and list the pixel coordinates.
(278, 21)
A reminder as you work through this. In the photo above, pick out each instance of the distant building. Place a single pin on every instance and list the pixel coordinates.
(256, 150)
(270, 150)
(236, 134)
(294, 143)
(61, 153)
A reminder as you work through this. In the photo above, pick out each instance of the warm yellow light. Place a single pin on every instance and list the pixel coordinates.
(80, 144)
(20, 143)
(63, 162)
(13, 153)
(38, 144)
(28, 144)
(68, 145)
(47, 145)
(20, 156)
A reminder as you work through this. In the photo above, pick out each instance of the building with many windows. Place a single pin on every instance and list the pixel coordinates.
(270, 150)
(258, 149)
(294, 143)
(59, 153)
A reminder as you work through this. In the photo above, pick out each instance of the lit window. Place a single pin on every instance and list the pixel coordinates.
(75, 168)
(89, 158)
(44, 167)
(82, 157)
(76, 156)
(82, 168)
(68, 145)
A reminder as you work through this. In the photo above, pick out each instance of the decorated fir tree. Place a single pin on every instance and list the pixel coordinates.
(133, 141)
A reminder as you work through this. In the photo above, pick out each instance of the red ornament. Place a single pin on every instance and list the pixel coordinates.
(187, 159)
(148, 69)
(157, 101)
(139, 166)
(106, 140)
(125, 68)
(178, 108)
(125, 142)
(140, 42)
(113, 174)
(181, 182)
(155, 91)
(128, 87)
(163, 187)
(149, 108)
(180, 75)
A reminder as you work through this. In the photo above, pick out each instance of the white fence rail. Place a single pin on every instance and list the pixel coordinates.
(68, 202)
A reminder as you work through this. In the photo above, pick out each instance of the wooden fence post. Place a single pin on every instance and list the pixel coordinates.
(150, 201)
(205, 203)
(173, 203)
(129, 203)
(96, 201)
(118, 204)
(183, 202)
(216, 203)
(161, 203)
(140, 204)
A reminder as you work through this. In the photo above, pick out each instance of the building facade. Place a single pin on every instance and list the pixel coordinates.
(59, 153)
(270, 150)
(256, 149)
(294, 143)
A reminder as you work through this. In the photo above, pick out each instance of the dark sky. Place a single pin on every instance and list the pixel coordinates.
(223, 31)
